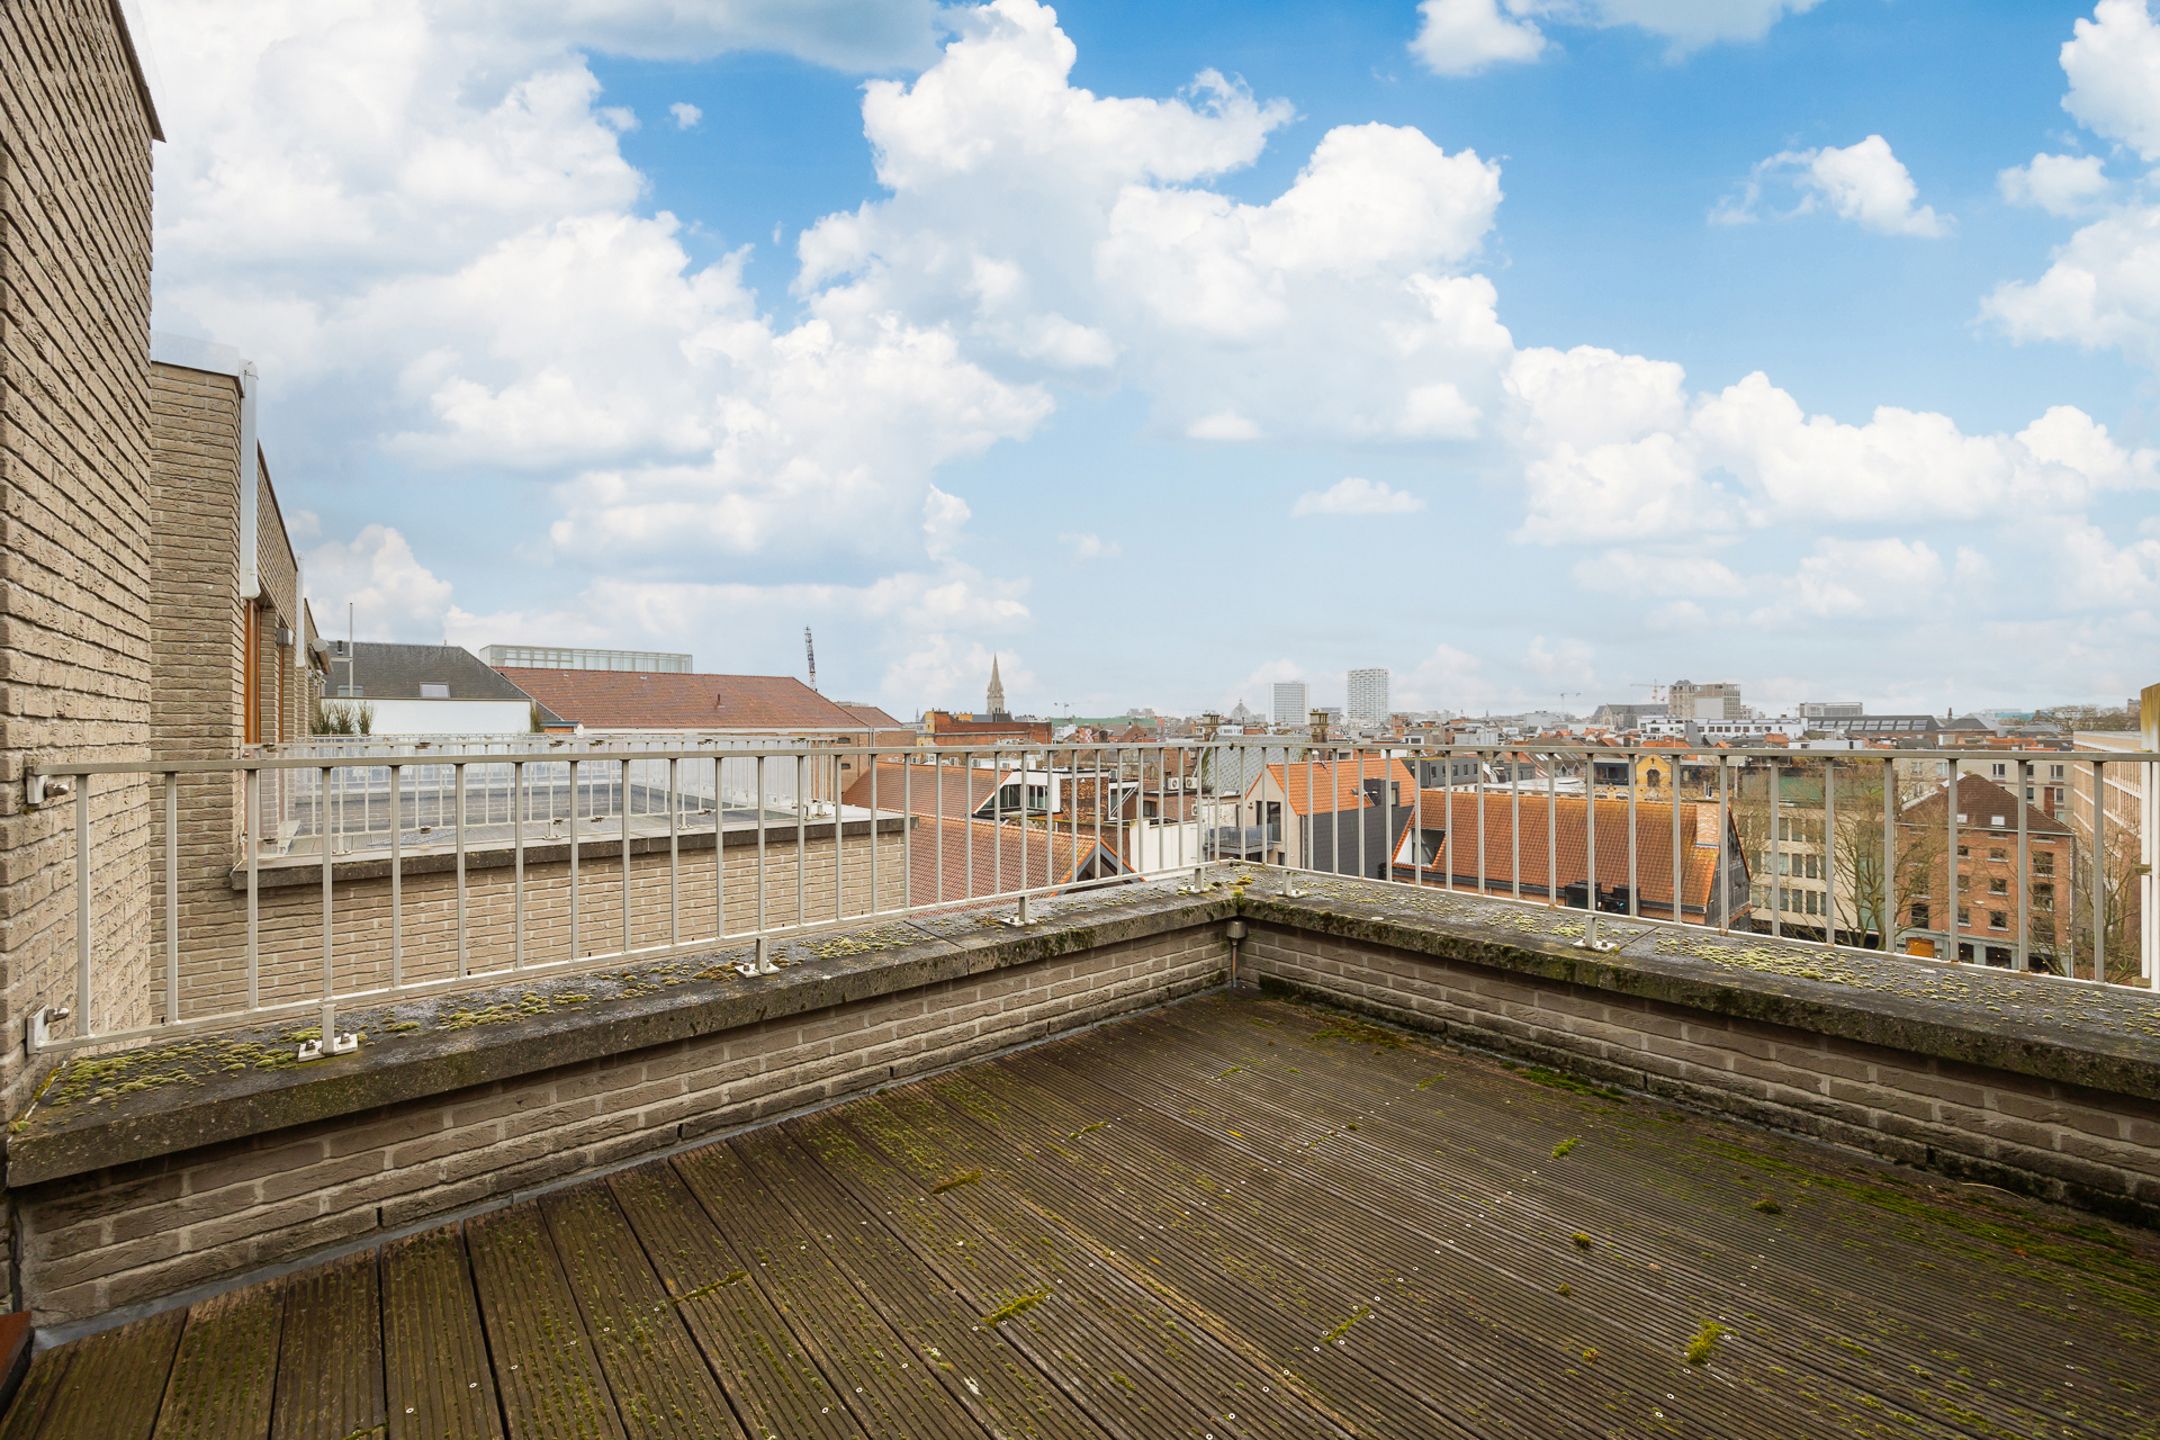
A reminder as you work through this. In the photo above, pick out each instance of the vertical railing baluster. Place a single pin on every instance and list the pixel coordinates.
(251, 796)
(1829, 849)
(1777, 861)
(464, 957)
(84, 1025)
(1447, 833)
(573, 858)
(907, 832)
(1724, 824)
(1514, 825)
(1484, 873)
(1552, 826)
(1679, 895)
(719, 852)
(1358, 769)
(329, 944)
(1891, 899)
(967, 795)
(674, 851)
(397, 884)
(623, 826)
(172, 898)
(1634, 872)
(517, 861)
(2099, 869)
(2024, 857)
(1416, 828)
(839, 834)
(1590, 933)
(760, 846)
(1950, 862)
(802, 838)
(1387, 815)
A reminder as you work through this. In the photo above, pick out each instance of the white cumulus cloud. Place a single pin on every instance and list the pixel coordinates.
(1864, 183)
(1462, 37)
(685, 115)
(2113, 65)
(2058, 184)
(1353, 495)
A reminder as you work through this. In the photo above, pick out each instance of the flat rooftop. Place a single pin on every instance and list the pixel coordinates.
(1234, 1216)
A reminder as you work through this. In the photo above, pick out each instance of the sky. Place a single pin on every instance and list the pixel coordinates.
(1538, 350)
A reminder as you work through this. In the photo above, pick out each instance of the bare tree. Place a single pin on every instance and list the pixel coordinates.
(1877, 882)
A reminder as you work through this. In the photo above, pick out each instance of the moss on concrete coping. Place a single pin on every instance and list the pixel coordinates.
(159, 1100)
(2102, 1038)
(289, 871)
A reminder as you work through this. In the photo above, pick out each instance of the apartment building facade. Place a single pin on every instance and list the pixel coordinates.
(1990, 860)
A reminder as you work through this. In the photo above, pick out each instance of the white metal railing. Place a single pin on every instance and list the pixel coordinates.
(1525, 822)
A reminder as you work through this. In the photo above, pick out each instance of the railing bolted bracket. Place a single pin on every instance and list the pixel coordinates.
(760, 961)
(331, 1041)
(1019, 919)
(38, 1032)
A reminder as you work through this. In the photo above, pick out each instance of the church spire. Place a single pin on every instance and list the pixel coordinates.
(994, 701)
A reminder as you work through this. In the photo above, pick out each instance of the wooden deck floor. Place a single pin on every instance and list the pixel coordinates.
(1235, 1217)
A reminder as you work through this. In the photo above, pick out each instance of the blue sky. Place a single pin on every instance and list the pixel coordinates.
(1528, 347)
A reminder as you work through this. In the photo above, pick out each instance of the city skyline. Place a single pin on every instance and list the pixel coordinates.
(1784, 379)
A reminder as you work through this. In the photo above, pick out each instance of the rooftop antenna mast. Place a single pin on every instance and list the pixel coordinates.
(810, 653)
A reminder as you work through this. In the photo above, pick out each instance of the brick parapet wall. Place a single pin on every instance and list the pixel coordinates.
(145, 1232)
(2038, 1136)
(213, 964)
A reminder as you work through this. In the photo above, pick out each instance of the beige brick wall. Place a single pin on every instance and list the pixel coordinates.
(284, 693)
(74, 511)
(2033, 1135)
(146, 1232)
(198, 686)
(213, 970)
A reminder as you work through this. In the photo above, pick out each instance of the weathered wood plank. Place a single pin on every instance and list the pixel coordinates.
(1121, 1339)
(112, 1390)
(226, 1368)
(778, 1390)
(545, 1366)
(435, 1360)
(662, 1388)
(978, 1364)
(881, 1374)
(330, 1365)
(35, 1397)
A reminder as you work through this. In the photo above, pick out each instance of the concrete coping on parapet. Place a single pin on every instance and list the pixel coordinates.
(161, 1100)
(2101, 1037)
(288, 872)
(141, 1104)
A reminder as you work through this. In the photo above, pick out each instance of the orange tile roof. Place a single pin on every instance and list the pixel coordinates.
(873, 716)
(1458, 813)
(634, 700)
(1002, 855)
(914, 789)
(1325, 786)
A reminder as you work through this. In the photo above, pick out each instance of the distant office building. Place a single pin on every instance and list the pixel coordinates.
(564, 657)
(1289, 707)
(1831, 710)
(1689, 701)
(1369, 695)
